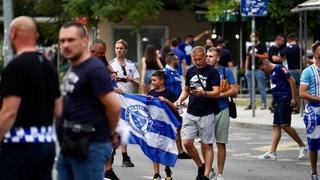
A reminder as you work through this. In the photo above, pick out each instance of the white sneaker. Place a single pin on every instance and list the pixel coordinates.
(302, 152)
(268, 156)
(219, 177)
(314, 177)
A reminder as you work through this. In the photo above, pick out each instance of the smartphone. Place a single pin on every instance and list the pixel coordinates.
(122, 80)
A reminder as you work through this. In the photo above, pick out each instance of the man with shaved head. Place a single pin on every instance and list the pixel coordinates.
(30, 101)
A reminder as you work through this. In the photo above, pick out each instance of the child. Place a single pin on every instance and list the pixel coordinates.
(167, 96)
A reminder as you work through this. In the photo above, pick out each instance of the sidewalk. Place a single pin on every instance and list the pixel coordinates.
(262, 119)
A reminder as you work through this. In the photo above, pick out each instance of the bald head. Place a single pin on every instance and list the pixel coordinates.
(23, 32)
(24, 24)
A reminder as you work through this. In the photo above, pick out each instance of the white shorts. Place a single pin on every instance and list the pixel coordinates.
(198, 126)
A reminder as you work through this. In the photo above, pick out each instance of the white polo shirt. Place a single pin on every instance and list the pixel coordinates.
(131, 71)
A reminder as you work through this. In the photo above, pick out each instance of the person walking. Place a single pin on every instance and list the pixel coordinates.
(260, 54)
(86, 129)
(309, 91)
(30, 101)
(202, 87)
(221, 128)
(283, 92)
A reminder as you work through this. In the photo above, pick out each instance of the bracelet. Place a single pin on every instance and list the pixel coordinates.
(113, 72)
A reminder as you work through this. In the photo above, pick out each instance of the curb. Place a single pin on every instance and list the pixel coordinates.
(255, 126)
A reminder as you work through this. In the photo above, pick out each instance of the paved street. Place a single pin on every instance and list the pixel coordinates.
(242, 163)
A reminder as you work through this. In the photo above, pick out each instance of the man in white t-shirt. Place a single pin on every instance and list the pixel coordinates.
(128, 77)
(128, 80)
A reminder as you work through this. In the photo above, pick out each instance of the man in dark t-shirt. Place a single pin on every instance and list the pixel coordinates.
(291, 59)
(260, 54)
(90, 106)
(202, 86)
(225, 54)
(274, 50)
(98, 49)
(30, 101)
(284, 99)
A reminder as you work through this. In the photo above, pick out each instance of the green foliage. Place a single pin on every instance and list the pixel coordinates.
(135, 12)
(219, 7)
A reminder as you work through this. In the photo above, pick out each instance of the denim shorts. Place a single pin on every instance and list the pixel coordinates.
(91, 168)
(282, 113)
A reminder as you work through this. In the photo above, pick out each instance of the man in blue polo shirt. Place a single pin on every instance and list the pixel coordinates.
(283, 92)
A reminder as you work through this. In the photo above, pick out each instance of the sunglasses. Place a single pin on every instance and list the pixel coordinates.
(124, 71)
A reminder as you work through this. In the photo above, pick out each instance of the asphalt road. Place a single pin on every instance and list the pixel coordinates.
(242, 160)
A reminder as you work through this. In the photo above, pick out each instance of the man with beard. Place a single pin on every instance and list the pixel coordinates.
(30, 100)
(90, 113)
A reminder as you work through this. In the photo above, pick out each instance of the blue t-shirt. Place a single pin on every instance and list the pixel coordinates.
(202, 106)
(292, 54)
(311, 76)
(280, 86)
(225, 73)
(225, 58)
(187, 50)
(173, 80)
(81, 87)
(181, 57)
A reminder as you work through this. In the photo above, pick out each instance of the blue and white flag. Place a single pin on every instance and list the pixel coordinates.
(152, 125)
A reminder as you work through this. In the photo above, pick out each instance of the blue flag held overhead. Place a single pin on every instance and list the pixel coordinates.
(152, 125)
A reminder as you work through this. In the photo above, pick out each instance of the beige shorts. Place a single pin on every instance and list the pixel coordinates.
(198, 127)
(221, 128)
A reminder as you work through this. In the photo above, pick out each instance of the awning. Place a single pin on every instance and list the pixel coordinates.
(310, 5)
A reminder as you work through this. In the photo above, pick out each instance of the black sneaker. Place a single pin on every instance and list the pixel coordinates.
(110, 175)
(126, 162)
(168, 173)
(204, 178)
(156, 177)
(184, 155)
(200, 172)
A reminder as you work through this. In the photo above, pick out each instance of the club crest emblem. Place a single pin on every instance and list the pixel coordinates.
(139, 119)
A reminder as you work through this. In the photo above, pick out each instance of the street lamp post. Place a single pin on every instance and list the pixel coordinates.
(8, 16)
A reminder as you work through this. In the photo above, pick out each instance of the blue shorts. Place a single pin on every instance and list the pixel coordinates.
(282, 113)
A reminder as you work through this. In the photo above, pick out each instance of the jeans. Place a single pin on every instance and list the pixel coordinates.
(27, 161)
(260, 77)
(91, 168)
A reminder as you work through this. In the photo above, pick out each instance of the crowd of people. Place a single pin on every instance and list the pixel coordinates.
(86, 110)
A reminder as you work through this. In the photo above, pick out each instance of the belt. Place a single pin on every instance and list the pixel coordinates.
(33, 134)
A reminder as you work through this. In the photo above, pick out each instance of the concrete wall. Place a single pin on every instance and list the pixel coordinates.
(178, 23)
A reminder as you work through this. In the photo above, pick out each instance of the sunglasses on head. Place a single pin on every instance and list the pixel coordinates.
(124, 71)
